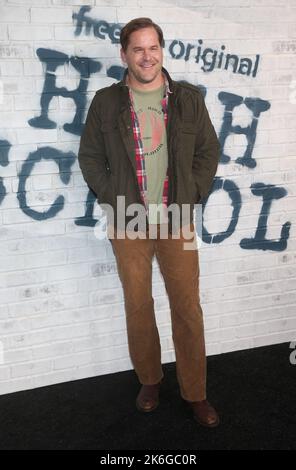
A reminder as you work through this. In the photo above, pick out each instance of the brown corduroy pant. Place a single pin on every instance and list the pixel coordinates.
(180, 270)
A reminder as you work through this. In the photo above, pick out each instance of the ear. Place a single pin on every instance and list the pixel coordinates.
(122, 54)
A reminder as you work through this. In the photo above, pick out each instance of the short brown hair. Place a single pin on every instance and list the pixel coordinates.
(135, 25)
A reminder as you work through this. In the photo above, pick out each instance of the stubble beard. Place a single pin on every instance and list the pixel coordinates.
(140, 77)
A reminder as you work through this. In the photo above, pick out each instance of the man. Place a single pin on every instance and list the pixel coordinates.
(150, 139)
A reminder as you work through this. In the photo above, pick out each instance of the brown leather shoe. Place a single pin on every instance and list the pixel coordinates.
(148, 398)
(204, 413)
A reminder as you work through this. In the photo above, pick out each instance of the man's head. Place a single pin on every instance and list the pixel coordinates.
(141, 49)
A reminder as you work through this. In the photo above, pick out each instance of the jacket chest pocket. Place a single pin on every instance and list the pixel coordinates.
(109, 127)
(188, 129)
(112, 141)
(187, 138)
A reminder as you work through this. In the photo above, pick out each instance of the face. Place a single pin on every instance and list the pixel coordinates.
(144, 58)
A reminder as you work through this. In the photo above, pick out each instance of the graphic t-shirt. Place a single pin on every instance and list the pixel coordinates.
(148, 108)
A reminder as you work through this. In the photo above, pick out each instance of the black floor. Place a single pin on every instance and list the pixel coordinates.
(254, 392)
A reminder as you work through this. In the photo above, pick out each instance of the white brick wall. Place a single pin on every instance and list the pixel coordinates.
(61, 304)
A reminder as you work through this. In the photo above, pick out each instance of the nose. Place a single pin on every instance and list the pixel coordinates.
(146, 55)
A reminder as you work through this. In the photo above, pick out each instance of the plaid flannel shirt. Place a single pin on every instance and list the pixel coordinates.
(140, 159)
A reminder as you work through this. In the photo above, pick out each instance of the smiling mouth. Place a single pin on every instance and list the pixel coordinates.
(148, 66)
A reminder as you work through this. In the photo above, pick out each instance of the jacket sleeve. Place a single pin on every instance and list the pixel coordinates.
(91, 155)
(207, 151)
